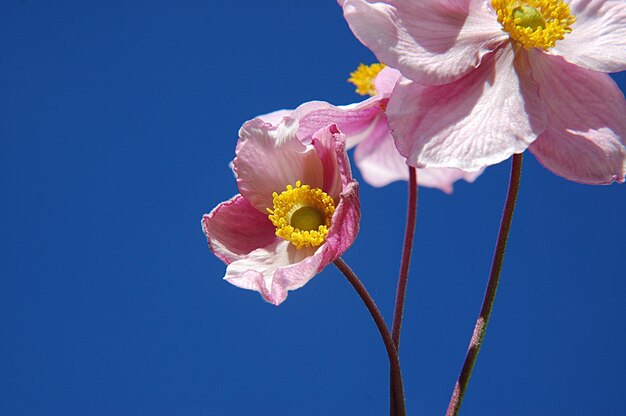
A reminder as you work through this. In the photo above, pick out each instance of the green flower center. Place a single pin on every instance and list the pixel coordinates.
(529, 17)
(307, 219)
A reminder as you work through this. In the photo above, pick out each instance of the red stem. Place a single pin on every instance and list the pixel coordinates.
(403, 276)
(407, 249)
(490, 292)
(392, 353)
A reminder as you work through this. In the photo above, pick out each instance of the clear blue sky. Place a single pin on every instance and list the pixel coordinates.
(117, 123)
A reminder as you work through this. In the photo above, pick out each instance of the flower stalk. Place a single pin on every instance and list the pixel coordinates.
(403, 276)
(490, 292)
(392, 352)
(407, 249)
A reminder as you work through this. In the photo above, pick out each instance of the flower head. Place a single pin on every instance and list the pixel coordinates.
(367, 131)
(297, 210)
(489, 78)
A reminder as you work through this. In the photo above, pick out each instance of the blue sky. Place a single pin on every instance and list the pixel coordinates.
(117, 123)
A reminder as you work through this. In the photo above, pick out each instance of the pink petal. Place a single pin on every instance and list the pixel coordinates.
(598, 37)
(258, 270)
(270, 158)
(444, 178)
(386, 80)
(345, 224)
(430, 41)
(280, 267)
(235, 228)
(351, 119)
(295, 276)
(477, 121)
(330, 144)
(584, 140)
(377, 158)
(380, 163)
(275, 117)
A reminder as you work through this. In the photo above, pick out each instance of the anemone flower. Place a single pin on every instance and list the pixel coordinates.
(297, 210)
(487, 79)
(367, 130)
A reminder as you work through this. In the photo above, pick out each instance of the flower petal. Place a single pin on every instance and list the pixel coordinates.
(330, 144)
(345, 224)
(380, 163)
(584, 140)
(377, 158)
(260, 270)
(270, 158)
(280, 267)
(429, 41)
(296, 275)
(598, 37)
(477, 121)
(235, 228)
(275, 117)
(351, 120)
(444, 178)
(386, 80)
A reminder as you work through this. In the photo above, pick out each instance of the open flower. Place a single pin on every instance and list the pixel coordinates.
(297, 211)
(487, 79)
(366, 128)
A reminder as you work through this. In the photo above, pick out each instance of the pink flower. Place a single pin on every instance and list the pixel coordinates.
(297, 211)
(366, 128)
(487, 79)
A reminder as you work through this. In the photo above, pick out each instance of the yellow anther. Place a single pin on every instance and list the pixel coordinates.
(534, 23)
(363, 78)
(302, 215)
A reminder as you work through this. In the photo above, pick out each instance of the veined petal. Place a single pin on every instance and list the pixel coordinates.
(474, 122)
(429, 41)
(345, 224)
(584, 140)
(598, 37)
(270, 158)
(307, 262)
(257, 271)
(351, 119)
(377, 158)
(380, 163)
(330, 145)
(235, 228)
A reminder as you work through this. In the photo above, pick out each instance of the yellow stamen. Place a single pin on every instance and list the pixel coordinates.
(534, 23)
(363, 78)
(302, 215)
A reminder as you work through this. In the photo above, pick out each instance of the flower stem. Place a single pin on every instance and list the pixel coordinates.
(403, 276)
(392, 353)
(490, 292)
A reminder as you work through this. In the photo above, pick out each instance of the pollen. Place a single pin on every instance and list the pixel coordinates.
(363, 78)
(302, 215)
(535, 23)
